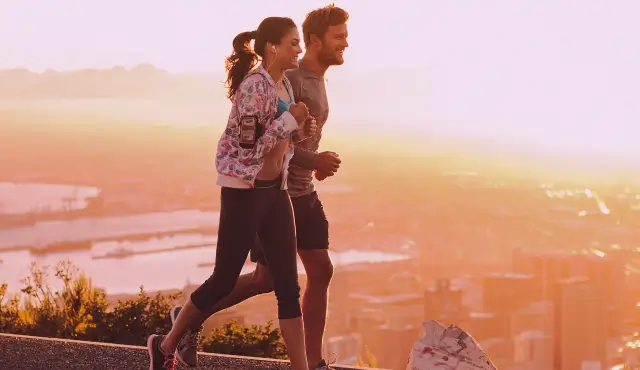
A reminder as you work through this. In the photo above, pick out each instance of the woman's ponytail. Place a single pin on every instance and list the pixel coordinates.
(241, 61)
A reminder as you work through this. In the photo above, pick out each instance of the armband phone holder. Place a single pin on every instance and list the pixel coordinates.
(248, 131)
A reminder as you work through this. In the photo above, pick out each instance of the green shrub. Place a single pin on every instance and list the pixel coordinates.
(369, 359)
(77, 310)
(254, 341)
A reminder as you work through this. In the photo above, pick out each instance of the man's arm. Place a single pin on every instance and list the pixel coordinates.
(304, 158)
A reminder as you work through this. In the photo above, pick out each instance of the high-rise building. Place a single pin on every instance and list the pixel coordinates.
(486, 325)
(546, 267)
(581, 328)
(537, 317)
(533, 351)
(444, 303)
(394, 345)
(389, 325)
(551, 266)
(609, 273)
(506, 293)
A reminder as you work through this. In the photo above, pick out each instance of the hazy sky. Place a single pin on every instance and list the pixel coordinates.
(533, 70)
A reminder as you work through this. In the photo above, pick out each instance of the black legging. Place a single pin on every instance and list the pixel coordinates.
(265, 211)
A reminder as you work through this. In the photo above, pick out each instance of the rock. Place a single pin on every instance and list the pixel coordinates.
(447, 349)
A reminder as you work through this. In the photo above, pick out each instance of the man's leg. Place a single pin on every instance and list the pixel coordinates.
(319, 268)
(312, 231)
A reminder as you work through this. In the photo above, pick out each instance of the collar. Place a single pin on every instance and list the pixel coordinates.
(303, 66)
(260, 69)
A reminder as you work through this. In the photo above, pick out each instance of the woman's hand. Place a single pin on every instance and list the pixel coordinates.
(299, 111)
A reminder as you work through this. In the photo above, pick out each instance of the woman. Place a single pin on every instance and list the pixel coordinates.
(251, 160)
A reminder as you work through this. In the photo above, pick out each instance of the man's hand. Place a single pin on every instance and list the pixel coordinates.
(322, 175)
(327, 163)
(310, 127)
(307, 129)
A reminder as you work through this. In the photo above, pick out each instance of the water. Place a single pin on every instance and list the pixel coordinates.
(47, 232)
(22, 198)
(165, 243)
(159, 271)
(160, 263)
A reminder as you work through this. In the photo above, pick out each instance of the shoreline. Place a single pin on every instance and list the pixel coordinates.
(183, 268)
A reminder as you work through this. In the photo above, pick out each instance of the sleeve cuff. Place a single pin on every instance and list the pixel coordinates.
(290, 123)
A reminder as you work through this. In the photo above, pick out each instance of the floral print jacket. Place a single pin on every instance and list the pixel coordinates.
(256, 102)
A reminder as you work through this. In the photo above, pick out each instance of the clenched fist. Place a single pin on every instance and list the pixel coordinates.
(309, 127)
(299, 111)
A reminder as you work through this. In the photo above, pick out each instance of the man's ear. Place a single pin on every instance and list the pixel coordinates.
(315, 40)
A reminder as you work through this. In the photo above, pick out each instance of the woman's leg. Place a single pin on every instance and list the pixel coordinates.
(278, 241)
(240, 214)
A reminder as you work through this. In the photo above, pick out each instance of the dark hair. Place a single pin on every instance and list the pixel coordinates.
(243, 59)
(318, 21)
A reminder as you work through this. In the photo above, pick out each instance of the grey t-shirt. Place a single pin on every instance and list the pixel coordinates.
(310, 89)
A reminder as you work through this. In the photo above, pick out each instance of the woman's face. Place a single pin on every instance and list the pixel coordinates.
(289, 50)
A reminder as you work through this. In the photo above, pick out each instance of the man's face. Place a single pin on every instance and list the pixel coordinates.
(333, 45)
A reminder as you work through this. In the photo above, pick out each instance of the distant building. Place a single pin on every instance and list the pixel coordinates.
(486, 325)
(581, 329)
(345, 349)
(444, 303)
(389, 325)
(506, 293)
(393, 345)
(537, 317)
(339, 302)
(551, 266)
(533, 351)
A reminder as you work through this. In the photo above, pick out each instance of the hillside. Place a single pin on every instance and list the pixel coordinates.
(148, 81)
(142, 81)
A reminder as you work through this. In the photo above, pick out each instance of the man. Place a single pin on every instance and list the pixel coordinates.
(325, 36)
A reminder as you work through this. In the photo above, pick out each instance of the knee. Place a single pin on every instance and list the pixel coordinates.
(288, 296)
(223, 286)
(320, 274)
(212, 290)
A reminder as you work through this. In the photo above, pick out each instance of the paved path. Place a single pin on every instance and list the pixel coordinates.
(33, 353)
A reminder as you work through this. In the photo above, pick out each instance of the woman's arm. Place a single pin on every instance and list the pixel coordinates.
(253, 104)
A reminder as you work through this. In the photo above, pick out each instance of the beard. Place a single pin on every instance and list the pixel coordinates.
(330, 57)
